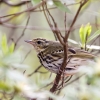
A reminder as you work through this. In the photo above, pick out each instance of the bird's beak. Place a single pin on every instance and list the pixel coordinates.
(29, 41)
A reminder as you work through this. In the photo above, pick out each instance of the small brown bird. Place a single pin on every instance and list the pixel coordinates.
(51, 55)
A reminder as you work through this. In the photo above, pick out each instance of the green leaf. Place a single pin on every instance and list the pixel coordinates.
(61, 6)
(87, 30)
(11, 48)
(97, 33)
(81, 33)
(4, 86)
(35, 1)
(4, 44)
(85, 33)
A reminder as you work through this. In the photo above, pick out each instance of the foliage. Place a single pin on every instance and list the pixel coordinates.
(88, 86)
(12, 80)
(15, 82)
(85, 33)
(16, 64)
(86, 37)
(61, 6)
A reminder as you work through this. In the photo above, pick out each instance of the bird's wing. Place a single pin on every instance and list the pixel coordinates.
(76, 64)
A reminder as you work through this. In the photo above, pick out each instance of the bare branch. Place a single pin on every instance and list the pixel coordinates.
(82, 3)
(34, 71)
(22, 32)
(15, 4)
(27, 10)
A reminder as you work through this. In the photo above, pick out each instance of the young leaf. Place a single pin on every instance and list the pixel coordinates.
(4, 44)
(4, 86)
(61, 6)
(97, 33)
(85, 33)
(87, 30)
(81, 33)
(35, 1)
(11, 48)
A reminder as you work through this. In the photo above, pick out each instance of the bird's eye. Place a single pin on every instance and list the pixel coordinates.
(39, 42)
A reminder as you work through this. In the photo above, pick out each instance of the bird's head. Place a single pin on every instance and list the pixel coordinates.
(39, 43)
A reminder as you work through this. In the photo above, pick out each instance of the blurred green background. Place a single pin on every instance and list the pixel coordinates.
(33, 24)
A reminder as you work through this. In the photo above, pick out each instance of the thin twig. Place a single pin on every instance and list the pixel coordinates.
(34, 71)
(26, 56)
(82, 3)
(48, 20)
(74, 80)
(58, 76)
(65, 81)
(36, 10)
(27, 10)
(42, 72)
(22, 32)
(57, 32)
(15, 4)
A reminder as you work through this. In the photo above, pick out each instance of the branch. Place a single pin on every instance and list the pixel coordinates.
(34, 71)
(22, 32)
(65, 46)
(58, 76)
(82, 3)
(27, 10)
(16, 4)
(57, 31)
(38, 10)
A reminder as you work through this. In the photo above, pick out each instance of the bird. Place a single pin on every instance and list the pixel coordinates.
(51, 56)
